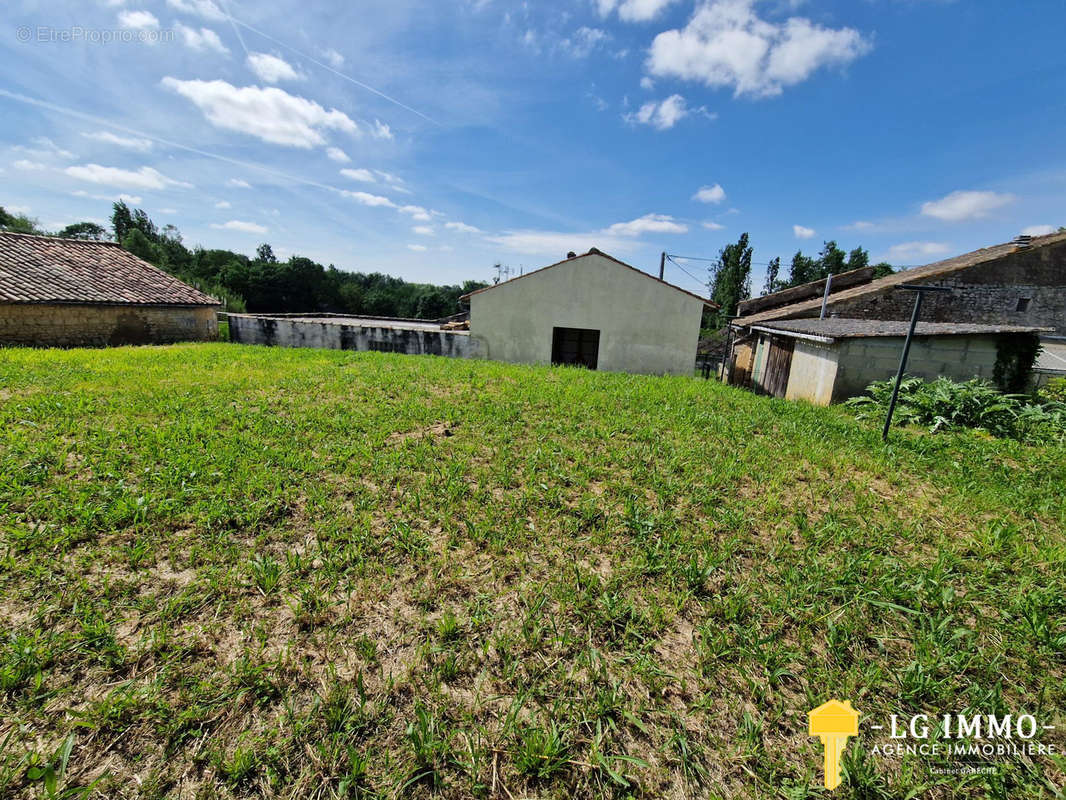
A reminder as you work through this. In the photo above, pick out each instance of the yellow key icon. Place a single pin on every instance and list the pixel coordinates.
(833, 722)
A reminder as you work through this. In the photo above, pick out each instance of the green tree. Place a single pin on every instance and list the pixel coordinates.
(121, 221)
(857, 259)
(773, 271)
(265, 254)
(143, 247)
(18, 223)
(802, 270)
(730, 278)
(88, 231)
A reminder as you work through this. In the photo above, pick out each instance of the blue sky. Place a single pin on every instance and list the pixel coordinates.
(430, 140)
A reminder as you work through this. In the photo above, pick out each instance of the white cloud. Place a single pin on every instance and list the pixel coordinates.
(364, 175)
(243, 227)
(711, 225)
(649, 223)
(237, 183)
(424, 230)
(584, 41)
(336, 154)
(555, 244)
(647, 83)
(138, 20)
(366, 199)
(660, 115)
(619, 237)
(461, 227)
(801, 232)
(270, 114)
(201, 8)
(860, 225)
(959, 206)
(418, 248)
(168, 211)
(272, 69)
(1039, 230)
(416, 213)
(51, 147)
(633, 10)
(333, 58)
(144, 178)
(223, 204)
(710, 194)
(29, 166)
(379, 130)
(726, 44)
(128, 142)
(909, 250)
(395, 182)
(203, 39)
(128, 199)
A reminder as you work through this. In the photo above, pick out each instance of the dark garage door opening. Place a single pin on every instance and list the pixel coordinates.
(579, 346)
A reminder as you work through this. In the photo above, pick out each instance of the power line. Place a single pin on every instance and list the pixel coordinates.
(697, 280)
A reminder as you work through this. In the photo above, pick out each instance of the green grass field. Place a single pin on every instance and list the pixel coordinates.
(235, 571)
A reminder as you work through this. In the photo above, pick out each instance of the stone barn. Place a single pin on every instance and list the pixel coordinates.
(590, 310)
(1022, 282)
(74, 293)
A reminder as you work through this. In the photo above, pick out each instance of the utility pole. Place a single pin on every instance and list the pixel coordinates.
(825, 295)
(662, 265)
(918, 290)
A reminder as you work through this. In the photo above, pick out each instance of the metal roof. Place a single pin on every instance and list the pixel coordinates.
(938, 269)
(833, 328)
(45, 269)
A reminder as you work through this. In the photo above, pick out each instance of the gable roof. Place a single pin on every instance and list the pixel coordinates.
(935, 270)
(45, 269)
(601, 254)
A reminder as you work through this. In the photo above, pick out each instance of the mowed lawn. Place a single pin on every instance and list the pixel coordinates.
(244, 572)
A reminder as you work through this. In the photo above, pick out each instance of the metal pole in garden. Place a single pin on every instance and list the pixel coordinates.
(911, 287)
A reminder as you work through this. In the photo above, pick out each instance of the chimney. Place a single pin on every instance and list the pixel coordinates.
(1023, 241)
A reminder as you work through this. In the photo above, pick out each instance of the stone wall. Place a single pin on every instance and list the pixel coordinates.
(336, 335)
(988, 293)
(69, 325)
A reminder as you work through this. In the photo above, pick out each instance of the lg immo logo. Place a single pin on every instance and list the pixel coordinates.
(833, 723)
(973, 740)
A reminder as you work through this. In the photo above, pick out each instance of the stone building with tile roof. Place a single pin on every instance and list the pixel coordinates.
(1022, 282)
(74, 293)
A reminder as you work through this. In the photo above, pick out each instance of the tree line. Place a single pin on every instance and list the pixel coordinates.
(729, 277)
(262, 283)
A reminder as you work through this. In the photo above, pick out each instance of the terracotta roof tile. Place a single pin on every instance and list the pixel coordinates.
(44, 269)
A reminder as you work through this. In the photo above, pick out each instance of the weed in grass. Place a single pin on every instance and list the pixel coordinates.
(266, 574)
(239, 767)
(449, 629)
(540, 752)
(431, 748)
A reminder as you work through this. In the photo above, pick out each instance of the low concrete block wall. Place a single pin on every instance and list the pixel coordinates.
(72, 325)
(337, 335)
(862, 361)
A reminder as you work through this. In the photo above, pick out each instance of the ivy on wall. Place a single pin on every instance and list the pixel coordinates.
(1015, 355)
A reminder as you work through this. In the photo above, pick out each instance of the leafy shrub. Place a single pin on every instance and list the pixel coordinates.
(1055, 391)
(944, 405)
